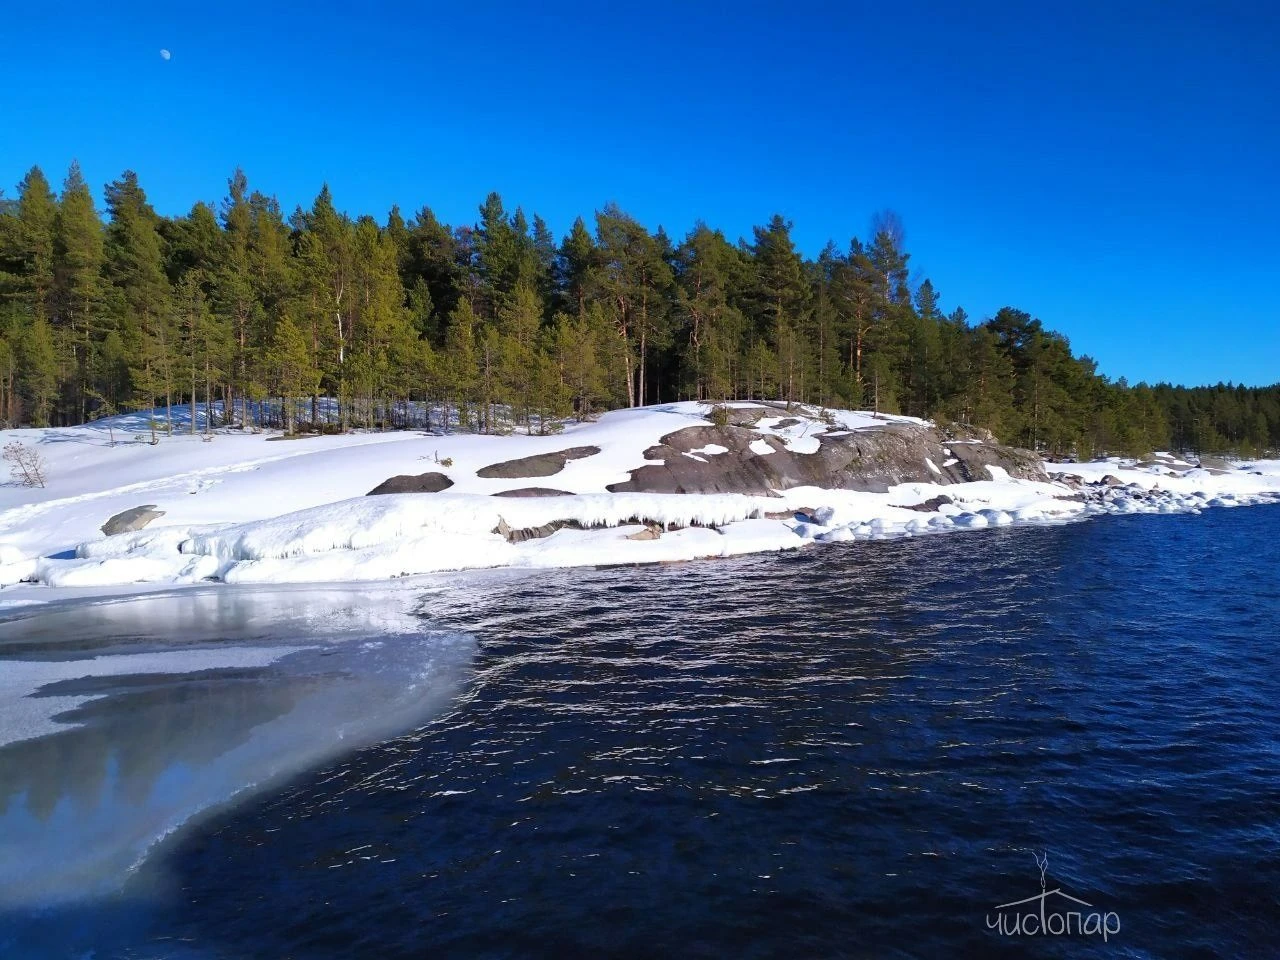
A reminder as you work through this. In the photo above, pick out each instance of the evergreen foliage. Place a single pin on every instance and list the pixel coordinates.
(500, 327)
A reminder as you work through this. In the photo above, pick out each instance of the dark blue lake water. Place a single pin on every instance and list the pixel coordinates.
(852, 751)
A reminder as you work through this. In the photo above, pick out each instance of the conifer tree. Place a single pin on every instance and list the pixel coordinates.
(78, 253)
(40, 370)
(578, 269)
(712, 327)
(292, 368)
(138, 293)
(779, 297)
(498, 320)
(31, 253)
(462, 368)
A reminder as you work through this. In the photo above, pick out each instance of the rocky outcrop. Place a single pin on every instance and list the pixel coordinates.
(521, 534)
(539, 465)
(422, 483)
(973, 457)
(130, 520)
(1067, 480)
(931, 505)
(1216, 464)
(651, 531)
(533, 492)
(870, 460)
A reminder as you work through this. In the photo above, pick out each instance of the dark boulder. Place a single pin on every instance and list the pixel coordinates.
(422, 483)
(931, 505)
(651, 531)
(520, 535)
(130, 520)
(533, 492)
(1216, 464)
(538, 465)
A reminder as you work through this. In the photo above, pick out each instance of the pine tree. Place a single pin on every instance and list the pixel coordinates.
(380, 322)
(852, 295)
(462, 369)
(431, 263)
(505, 256)
(235, 298)
(37, 214)
(989, 398)
(40, 370)
(293, 368)
(138, 293)
(578, 269)
(10, 408)
(519, 322)
(711, 326)
(779, 299)
(635, 280)
(77, 290)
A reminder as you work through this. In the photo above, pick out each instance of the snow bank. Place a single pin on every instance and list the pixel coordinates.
(249, 508)
(376, 521)
(379, 537)
(1168, 485)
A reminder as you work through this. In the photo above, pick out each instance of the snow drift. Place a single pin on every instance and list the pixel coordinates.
(243, 509)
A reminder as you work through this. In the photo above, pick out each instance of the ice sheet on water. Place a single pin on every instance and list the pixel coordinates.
(136, 736)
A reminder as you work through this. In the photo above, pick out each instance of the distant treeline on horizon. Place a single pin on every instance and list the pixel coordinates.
(241, 303)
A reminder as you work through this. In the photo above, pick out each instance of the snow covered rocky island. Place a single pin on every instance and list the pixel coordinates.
(678, 481)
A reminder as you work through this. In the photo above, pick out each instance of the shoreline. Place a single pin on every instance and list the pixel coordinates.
(593, 495)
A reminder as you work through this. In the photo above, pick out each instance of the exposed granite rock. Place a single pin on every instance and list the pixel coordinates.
(130, 520)
(422, 483)
(750, 416)
(1067, 480)
(651, 531)
(514, 535)
(806, 514)
(974, 458)
(931, 505)
(538, 465)
(534, 492)
(869, 460)
(1216, 463)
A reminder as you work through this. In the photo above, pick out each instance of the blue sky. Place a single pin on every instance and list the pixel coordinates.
(1114, 169)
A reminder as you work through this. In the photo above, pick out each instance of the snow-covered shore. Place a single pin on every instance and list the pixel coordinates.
(255, 508)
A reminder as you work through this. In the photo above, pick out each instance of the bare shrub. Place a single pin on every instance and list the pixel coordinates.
(26, 465)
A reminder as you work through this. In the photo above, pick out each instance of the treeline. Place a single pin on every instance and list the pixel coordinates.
(498, 324)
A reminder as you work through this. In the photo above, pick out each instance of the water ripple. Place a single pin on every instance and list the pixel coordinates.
(842, 752)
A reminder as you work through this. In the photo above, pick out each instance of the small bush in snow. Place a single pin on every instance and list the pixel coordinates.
(719, 415)
(26, 465)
